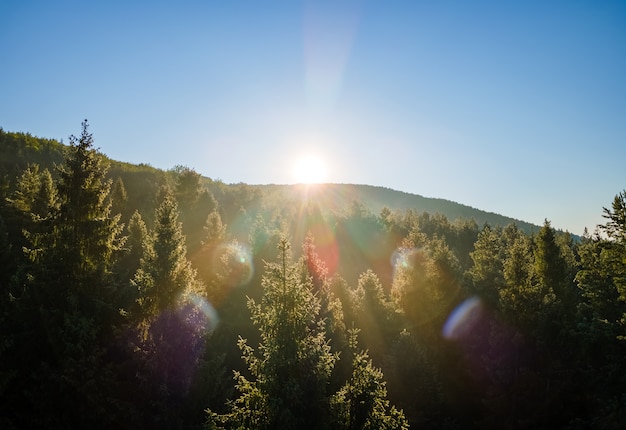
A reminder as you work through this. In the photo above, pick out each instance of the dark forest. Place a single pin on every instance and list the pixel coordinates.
(132, 297)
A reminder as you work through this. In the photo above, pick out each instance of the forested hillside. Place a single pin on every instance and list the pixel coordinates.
(375, 199)
(132, 297)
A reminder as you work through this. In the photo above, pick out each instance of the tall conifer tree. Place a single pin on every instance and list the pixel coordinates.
(70, 295)
(292, 366)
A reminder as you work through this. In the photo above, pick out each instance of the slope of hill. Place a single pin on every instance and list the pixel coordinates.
(339, 198)
(17, 150)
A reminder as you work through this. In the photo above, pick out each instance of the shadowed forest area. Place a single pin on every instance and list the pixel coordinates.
(133, 297)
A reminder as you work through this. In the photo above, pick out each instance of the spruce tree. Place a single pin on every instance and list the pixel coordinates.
(362, 402)
(172, 327)
(485, 275)
(292, 365)
(290, 371)
(119, 199)
(165, 276)
(69, 296)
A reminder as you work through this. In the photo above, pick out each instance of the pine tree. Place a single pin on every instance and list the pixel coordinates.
(119, 199)
(45, 200)
(330, 306)
(486, 273)
(362, 402)
(601, 316)
(615, 248)
(214, 229)
(173, 326)
(187, 186)
(77, 251)
(615, 227)
(426, 285)
(293, 363)
(85, 236)
(70, 297)
(26, 188)
(375, 315)
(165, 276)
(291, 368)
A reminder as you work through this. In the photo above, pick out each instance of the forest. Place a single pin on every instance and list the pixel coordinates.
(132, 297)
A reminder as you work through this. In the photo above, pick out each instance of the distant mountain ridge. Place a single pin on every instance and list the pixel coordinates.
(339, 197)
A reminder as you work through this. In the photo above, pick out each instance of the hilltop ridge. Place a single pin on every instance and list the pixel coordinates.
(18, 150)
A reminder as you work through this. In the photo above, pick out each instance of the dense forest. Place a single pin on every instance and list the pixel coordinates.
(133, 297)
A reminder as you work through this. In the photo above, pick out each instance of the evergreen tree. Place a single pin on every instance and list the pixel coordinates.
(119, 199)
(486, 275)
(330, 306)
(45, 200)
(375, 315)
(70, 297)
(414, 382)
(549, 265)
(601, 317)
(187, 186)
(26, 189)
(426, 284)
(362, 402)
(85, 236)
(174, 324)
(615, 248)
(137, 245)
(32, 200)
(293, 364)
(615, 227)
(214, 229)
(165, 275)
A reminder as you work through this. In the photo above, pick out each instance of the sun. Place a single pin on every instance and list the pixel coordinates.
(309, 169)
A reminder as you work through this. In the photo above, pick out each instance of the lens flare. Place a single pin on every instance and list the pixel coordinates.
(406, 259)
(234, 262)
(463, 319)
(207, 311)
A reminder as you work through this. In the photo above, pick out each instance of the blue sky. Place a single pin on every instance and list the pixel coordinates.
(513, 107)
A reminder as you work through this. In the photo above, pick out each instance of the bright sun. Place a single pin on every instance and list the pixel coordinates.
(309, 169)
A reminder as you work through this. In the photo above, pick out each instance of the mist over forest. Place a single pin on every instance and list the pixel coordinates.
(135, 297)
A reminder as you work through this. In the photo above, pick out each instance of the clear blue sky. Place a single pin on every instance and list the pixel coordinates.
(515, 107)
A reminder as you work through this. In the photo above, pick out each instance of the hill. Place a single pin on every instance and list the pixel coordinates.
(340, 197)
(17, 150)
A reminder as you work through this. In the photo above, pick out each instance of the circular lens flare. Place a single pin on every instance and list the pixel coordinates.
(233, 261)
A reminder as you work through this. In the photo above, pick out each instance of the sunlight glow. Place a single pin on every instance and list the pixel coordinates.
(309, 169)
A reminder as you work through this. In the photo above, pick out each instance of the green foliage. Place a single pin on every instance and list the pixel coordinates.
(165, 276)
(292, 366)
(426, 284)
(414, 383)
(615, 228)
(119, 199)
(214, 229)
(67, 291)
(375, 315)
(488, 257)
(102, 330)
(19, 150)
(294, 363)
(362, 402)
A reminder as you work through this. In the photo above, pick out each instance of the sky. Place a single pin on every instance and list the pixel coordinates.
(513, 107)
